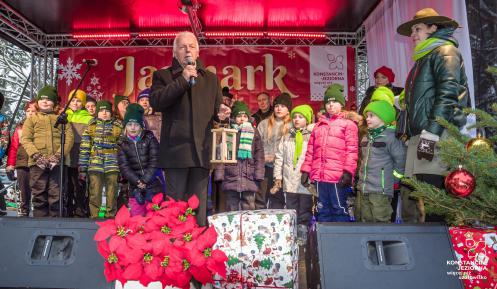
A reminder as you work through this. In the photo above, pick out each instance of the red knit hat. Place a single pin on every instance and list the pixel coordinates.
(387, 72)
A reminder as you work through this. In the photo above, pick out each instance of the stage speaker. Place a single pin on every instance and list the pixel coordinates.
(50, 253)
(386, 256)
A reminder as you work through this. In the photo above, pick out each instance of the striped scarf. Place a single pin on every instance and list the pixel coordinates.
(426, 46)
(246, 138)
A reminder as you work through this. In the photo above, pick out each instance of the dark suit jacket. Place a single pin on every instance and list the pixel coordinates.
(187, 115)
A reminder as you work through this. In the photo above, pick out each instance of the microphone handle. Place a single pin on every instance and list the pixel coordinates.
(192, 81)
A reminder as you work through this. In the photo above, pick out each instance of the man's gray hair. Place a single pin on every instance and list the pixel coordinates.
(178, 36)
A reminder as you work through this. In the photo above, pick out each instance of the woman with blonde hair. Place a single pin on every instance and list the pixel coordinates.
(272, 130)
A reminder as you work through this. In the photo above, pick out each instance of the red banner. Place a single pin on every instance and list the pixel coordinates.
(247, 71)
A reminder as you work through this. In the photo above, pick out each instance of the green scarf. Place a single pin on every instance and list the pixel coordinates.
(374, 133)
(299, 140)
(246, 138)
(426, 46)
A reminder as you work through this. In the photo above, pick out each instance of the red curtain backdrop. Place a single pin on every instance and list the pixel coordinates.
(302, 71)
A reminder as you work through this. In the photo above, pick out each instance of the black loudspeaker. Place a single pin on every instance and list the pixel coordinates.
(386, 256)
(50, 253)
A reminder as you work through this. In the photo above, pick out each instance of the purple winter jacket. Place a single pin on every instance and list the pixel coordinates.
(245, 174)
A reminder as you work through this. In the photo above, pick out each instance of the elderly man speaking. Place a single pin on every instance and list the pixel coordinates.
(189, 98)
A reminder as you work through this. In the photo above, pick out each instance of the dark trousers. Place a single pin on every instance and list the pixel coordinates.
(123, 194)
(437, 181)
(332, 203)
(185, 182)
(302, 204)
(77, 202)
(45, 186)
(218, 197)
(3, 204)
(261, 196)
(236, 201)
(25, 192)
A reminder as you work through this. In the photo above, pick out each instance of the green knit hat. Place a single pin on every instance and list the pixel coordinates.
(118, 99)
(283, 99)
(134, 112)
(103, 104)
(304, 110)
(381, 109)
(48, 92)
(240, 107)
(383, 93)
(334, 92)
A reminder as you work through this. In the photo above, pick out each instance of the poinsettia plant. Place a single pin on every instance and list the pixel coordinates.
(166, 245)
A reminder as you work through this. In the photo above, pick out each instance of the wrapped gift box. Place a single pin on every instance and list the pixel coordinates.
(261, 248)
(476, 251)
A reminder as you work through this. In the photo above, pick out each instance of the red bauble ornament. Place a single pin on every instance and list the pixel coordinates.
(460, 183)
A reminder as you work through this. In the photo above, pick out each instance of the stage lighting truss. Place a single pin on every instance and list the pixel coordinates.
(45, 47)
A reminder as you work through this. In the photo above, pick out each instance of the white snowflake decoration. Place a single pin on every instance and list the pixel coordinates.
(69, 71)
(93, 89)
(94, 80)
(291, 54)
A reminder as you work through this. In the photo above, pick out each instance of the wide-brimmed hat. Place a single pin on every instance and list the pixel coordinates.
(426, 16)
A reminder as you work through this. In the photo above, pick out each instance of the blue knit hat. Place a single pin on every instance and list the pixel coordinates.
(144, 93)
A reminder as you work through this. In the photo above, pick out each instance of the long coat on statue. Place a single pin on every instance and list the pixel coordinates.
(187, 115)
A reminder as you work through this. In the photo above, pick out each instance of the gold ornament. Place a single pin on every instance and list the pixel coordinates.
(479, 141)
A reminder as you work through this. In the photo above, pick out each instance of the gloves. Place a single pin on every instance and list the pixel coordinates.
(10, 174)
(41, 161)
(276, 187)
(141, 185)
(53, 161)
(138, 195)
(426, 146)
(82, 176)
(304, 180)
(345, 180)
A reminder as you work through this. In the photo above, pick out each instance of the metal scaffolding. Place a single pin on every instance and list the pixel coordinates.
(45, 47)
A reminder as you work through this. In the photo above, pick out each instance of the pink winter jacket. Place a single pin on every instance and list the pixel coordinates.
(332, 148)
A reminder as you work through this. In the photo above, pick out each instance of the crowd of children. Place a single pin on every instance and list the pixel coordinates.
(305, 161)
(289, 160)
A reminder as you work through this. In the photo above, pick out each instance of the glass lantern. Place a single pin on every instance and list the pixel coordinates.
(223, 146)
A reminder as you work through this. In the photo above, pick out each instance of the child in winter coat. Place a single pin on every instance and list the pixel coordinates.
(331, 157)
(78, 118)
(151, 119)
(272, 129)
(17, 160)
(98, 159)
(91, 106)
(42, 143)
(290, 156)
(240, 181)
(138, 160)
(382, 163)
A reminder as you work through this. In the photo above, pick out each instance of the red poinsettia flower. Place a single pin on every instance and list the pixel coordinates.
(114, 262)
(216, 262)
(146, 266)
(157, 204)
(189, 236)
(206, 261)
(118, 228)
(171, 263)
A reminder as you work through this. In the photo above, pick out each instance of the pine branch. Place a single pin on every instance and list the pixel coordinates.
(452, 130)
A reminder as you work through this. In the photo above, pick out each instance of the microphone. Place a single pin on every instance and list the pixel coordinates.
(91, 62)
(189, 61)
